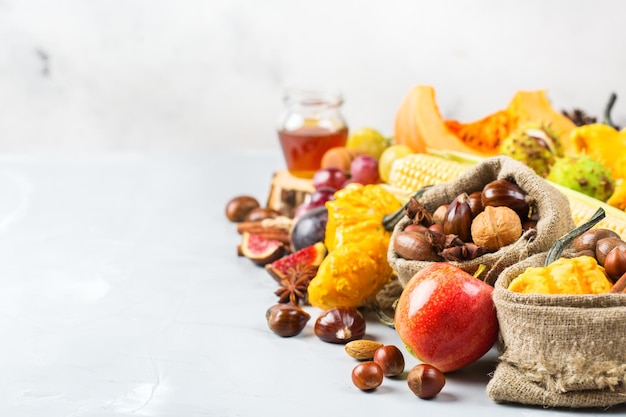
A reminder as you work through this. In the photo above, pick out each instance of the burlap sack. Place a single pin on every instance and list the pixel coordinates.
(558, 350)
(555, 218)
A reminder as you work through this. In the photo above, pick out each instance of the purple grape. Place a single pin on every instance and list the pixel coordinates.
(329, 177)
(364, 170)
(321, 195)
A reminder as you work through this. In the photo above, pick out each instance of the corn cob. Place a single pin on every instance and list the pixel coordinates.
(418, 170)
(583, 207)
(415, 171)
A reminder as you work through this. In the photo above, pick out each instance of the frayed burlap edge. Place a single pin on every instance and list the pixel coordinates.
(558, 350)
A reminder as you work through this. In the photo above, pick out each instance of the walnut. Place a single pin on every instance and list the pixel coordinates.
(496, 227)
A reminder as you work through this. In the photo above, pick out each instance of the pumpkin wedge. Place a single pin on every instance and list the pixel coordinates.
(419, 125)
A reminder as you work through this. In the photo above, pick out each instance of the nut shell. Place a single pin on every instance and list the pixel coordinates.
(390, 359)
(496, 227)
(505, 193)
(425, 381)
(615, 263)
(367, 376)
(238, 207)
(362, 349)
(340, 325)
(286, 320)
(589, 239)
(606, 245)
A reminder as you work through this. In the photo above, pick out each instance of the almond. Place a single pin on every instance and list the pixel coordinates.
(362, 349)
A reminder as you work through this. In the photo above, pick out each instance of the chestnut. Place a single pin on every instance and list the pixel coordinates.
(261, 213)
(425, 381)
(606, 245)
(286, 320)
(238, 207)
(615, 263)
(589, 239)
(458, 218)
(506, 193)
(414, 246)
(475, 202)
(340, 325)
(367, 376)
(440, 213)
(390, 359)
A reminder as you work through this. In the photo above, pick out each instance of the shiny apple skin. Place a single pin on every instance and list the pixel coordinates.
(446, 317)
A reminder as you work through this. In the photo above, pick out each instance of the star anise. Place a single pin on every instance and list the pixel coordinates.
(293, 288)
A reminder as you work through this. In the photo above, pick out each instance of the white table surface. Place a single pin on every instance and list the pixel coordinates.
(121, 295)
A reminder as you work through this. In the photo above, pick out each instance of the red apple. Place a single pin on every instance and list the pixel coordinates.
(446, 317)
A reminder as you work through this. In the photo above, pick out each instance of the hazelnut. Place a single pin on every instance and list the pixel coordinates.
(390, 359)
(496, 227)
(425, 381)
(367, 376)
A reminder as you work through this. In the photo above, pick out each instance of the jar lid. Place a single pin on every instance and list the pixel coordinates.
(313, 96)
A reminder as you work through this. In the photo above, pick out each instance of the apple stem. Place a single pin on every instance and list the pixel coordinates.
(559, 246)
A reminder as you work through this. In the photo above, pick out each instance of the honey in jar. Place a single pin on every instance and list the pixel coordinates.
(311, 124)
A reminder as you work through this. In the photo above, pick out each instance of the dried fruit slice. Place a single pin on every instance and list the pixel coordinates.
(261, 250)
(310, 256)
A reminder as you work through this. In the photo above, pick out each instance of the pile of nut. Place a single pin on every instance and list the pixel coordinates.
(468, 227)
(380, 361)
(609, 250)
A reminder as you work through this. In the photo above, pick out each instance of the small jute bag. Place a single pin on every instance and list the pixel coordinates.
(552, 207)
(558, 350)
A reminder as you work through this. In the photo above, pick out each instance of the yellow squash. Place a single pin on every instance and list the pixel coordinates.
(356, 266)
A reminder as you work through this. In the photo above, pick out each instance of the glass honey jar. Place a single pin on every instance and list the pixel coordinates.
(310, 124)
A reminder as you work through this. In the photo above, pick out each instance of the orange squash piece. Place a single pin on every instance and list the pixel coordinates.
(420, 126)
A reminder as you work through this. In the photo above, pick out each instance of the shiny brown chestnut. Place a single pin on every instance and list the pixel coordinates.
(415, 246)
(238, 207)
(340, 325)
(606, 245)
(286, 320)
(506, 193)
(440, 214)
(475, 202)
(458, 218)
(615, 263)
(589, 239)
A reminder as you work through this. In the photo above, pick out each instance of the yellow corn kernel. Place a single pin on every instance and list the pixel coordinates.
(583, 207)
(418, 170)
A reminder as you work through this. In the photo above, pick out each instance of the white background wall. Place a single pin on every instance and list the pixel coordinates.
(164, 75)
